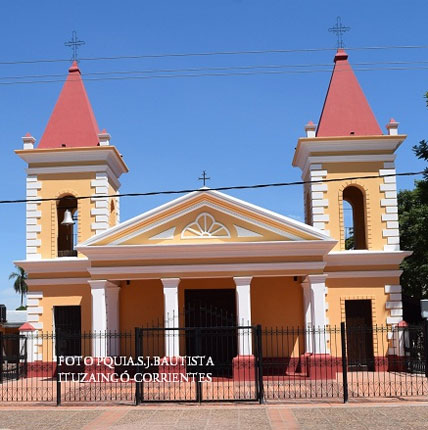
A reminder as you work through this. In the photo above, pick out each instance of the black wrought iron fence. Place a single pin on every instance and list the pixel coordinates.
(216, 363)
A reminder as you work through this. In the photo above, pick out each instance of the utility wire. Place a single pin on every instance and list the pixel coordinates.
(234, 187)
(199, 75)
(209, 54)
(224, 68)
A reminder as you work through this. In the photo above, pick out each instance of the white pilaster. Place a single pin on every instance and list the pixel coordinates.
(390, 205)
(243, 304)
(307, 313)
(171, 314)
(318, 312)
(105, 317)
(33, 213)
(318, 198)
(394, 305)
(102, 206)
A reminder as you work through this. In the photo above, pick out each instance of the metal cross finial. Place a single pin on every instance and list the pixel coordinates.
(74, 44)
(339, 29)
(204, 177)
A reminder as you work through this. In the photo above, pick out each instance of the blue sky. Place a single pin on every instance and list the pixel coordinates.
(241, 129)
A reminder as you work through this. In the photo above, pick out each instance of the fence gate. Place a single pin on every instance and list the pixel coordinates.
(218, 364)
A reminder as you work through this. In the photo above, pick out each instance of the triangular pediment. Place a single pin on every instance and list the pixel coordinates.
(206, 216)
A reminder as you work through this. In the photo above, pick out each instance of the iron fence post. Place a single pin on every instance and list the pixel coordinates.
(344, 362)
(197, 334)
(426, 346)
(1, 357)
(58, 379)
(137, 340)
(260, 393)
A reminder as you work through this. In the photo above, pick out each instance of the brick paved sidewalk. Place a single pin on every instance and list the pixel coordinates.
(365, 416)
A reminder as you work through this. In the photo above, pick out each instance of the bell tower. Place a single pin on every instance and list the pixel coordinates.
(346, 146)
(74, 164)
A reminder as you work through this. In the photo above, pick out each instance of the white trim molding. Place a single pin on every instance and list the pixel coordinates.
(171, 316)
(102, 209)
(243, 307)
(33, 214)
(216, 270)
(389, 202)
(394, 305)
(319, 320)
(345, 148)
(105, 316)
(307, 314)
(318, 194)
(205, 226)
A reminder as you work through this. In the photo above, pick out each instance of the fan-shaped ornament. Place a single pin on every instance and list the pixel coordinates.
(205, 226)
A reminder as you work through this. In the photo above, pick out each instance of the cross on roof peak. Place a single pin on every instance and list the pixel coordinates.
(204, 178)
(339, 29)
(74, 44)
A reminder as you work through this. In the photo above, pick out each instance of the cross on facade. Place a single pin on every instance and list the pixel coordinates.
(74, 44)
(339, 29)
(204, 178)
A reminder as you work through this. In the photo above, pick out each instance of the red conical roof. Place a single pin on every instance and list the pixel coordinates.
(72, 123)
(346, 110)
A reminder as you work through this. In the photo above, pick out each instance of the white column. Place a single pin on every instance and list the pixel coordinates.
(307, 313)
(105, 317)
(172, 337)
(243, 304)
(318, 316)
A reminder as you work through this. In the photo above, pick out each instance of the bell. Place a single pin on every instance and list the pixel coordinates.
(68, 219)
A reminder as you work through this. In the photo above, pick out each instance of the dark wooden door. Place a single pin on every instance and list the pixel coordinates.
(359, 334)
(68, 329)
(212, 314)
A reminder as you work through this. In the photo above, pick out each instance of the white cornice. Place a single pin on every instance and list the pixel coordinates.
(56, 281)
(342, 145)
(106, 154)
(366, 258)
(214, 250)
(221, 197)
(192, 270)
(365, 274)
(55, 265)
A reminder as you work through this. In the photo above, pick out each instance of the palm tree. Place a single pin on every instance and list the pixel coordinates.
(20, 285)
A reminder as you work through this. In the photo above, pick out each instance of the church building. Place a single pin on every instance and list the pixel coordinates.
(90, 271)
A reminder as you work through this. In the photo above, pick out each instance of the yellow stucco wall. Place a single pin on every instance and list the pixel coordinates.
(277, 302)
(140, 304)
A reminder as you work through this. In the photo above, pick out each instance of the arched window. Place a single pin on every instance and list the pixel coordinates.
(354, 218)
(67, 226)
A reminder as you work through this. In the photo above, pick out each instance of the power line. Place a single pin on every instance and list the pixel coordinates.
(234, 187)
(209, 54)
(223, 68)
(200, 75)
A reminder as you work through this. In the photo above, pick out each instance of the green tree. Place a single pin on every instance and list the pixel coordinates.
(20, 284)
(413, 217)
